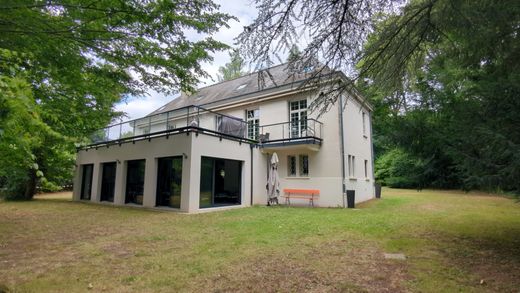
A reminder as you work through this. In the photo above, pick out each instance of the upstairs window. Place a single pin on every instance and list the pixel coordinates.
(253, 123)
(366, 168)
(364, 123)
(298, 118)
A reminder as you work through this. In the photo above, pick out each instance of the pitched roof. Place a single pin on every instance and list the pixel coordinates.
(238, 88)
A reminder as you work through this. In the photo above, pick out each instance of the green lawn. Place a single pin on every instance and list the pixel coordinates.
(452, 241)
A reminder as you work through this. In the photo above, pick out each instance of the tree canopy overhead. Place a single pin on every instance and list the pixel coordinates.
(63, 65)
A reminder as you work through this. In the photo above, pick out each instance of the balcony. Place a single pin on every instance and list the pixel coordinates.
(305, 133)
(191, 118)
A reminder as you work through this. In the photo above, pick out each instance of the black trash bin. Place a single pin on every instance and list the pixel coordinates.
(378, 190)
(351, 199)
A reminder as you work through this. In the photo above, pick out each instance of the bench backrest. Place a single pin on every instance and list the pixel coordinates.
(302, 191)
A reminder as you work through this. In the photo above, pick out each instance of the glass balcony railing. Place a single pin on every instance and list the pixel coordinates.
(194, 117)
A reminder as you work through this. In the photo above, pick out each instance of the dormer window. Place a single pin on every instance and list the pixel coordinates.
(241, 86)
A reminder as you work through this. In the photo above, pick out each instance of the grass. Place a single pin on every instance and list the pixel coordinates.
(453, 242)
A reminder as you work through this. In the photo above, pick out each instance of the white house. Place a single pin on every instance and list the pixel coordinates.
(211, 150)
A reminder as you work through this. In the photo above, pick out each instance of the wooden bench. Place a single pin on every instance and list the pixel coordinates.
(309, 194)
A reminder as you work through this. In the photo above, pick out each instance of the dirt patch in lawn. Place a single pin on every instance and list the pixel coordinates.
(340, 266)
(493, 263)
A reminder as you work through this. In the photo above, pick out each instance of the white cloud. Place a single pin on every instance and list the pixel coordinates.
(136, 107)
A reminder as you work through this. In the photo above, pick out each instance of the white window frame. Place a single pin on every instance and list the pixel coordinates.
(364, 123)
(366, 169)
(300, 163)
(298, 129)
(351, 166)
(253, 123)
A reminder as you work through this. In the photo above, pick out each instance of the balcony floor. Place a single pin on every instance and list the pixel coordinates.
(309, 143)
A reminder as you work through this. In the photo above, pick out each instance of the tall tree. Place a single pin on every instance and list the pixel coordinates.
(294, 54)
(335, 32)
(458, 63)
(63, 65)
(233, 69)
(447, 71)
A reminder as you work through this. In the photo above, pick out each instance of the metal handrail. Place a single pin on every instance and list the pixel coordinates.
(145, 123)
(287, 122)
(278, 129)
(167, 113)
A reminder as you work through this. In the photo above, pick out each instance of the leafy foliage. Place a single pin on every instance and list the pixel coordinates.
(63, 65)
(448, 73)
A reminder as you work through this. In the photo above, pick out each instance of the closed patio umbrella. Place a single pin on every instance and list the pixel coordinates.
(273, 182)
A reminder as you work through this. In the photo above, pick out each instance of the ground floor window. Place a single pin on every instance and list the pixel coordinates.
(108, 181)
(220, 182)
(169, 180)
(291, 166)
(351, 166)
(86, 181)
(135, 181)
(301, 165)
(304, 165)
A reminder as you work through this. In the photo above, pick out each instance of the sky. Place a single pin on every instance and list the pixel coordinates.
(245, 11)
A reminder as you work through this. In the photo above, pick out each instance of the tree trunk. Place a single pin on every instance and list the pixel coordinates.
(30, 187)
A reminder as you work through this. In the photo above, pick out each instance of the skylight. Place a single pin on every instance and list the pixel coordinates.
(241, 86)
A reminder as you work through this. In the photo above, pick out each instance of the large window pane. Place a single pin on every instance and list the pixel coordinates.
(220, 182)
(86, 181)
(169, 181)
(108, 181)
(135, 181)
(206, 182)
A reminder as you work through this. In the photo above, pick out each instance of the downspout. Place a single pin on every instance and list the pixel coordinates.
(251, 182)
(372, 147)
(342, 149)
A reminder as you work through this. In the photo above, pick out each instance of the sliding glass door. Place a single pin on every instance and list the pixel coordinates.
(108, 181)
(135, 182)
(169, 180)
(220, 182)
(86, 181)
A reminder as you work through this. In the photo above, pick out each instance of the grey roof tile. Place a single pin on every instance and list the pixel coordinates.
(238, 87)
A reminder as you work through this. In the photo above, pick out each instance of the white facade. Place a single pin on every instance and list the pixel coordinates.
(331, 166)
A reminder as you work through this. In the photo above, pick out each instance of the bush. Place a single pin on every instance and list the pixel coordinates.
(398, 169)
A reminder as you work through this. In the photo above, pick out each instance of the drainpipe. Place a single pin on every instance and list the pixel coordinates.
(251, 160)
(372, 147)
(342, 148)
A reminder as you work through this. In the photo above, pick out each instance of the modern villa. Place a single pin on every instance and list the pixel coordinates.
(211, 150)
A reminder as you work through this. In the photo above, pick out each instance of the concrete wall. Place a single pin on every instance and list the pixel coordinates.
(192, 145)
(358, 144)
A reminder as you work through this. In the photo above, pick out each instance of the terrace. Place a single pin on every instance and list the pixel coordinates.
(201, 120)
